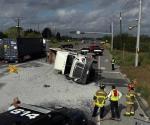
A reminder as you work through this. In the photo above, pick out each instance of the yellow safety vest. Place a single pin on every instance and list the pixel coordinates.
(113, 97)
(113, 61)
(100, 98)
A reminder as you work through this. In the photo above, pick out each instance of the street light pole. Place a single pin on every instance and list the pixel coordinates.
(121, 40)
(112, 35)
(138, 35)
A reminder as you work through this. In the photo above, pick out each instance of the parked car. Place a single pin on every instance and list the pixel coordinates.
(84, 51)
(36, 115)
(98, 51)
(92, 47)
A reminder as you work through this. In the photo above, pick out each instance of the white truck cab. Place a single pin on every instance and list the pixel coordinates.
(75, 66)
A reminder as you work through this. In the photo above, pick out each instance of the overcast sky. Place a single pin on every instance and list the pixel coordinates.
(65, 15)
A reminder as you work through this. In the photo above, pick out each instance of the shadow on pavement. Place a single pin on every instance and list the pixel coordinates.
(121, 107)
(117, 82)
(107, 110)
(91, 122)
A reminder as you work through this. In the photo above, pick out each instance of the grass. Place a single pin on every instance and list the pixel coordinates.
(141, 73)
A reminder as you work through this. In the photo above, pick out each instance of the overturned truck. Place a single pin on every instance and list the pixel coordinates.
(75, 66)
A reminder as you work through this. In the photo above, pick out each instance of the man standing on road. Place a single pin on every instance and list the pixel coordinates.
(99, 101)
(113, 63)
(130, 101)
(114, 96)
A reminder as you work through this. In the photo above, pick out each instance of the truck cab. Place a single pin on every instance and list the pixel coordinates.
(75, 66)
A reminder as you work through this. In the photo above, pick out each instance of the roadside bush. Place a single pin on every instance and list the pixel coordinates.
(143, 88)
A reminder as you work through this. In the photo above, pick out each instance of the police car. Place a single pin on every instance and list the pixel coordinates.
(35, 115)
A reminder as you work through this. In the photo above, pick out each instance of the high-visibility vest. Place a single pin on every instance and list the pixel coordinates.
(113, 96)
(100, 98)
(130, 97)
(113, 61)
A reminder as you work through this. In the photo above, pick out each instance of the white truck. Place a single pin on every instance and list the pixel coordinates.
(75, 66)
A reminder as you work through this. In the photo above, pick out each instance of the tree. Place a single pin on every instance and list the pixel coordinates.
(58, 37)
(13, 33)
(47, 33)
(31, 33)
(2, 35)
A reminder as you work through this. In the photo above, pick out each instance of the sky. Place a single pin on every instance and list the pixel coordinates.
(68, 15)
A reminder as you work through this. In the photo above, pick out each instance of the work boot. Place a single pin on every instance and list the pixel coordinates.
(132, 113)
(117, 119)
(127, 114)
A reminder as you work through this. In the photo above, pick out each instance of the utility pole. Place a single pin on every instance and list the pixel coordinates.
(18, 26)
(112, 35)
(38, 27)
(138, 35)
(121, 40)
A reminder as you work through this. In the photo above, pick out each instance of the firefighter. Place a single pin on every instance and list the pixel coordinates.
(113, 63)
(99, 101)
(132, 84)
(130, 101)
(114, 96)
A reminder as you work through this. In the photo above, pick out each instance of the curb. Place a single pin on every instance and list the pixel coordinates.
(143, 104)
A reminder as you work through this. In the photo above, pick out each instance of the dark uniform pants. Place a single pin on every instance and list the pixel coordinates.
(114, 109)
(101, 111)
(113, 66)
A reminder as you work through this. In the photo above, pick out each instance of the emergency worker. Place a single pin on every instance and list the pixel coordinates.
(99, 101)
(114, 96)
(132, 84)
(130, 101)
(113, 63)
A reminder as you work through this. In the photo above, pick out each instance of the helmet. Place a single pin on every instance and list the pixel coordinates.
(102, 86)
